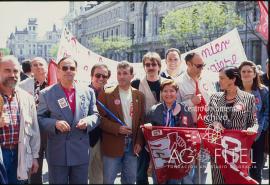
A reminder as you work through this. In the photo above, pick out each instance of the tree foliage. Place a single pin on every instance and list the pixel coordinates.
(112, 44)
(54, 50)
(5, 51)
(204, 20)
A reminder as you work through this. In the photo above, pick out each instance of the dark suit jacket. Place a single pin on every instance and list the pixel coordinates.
(155, 116)
(112, 143)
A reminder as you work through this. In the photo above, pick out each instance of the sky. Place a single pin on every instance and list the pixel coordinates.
(14, 14)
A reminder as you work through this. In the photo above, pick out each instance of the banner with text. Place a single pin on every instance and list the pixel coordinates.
(174, 150)
(226, 50)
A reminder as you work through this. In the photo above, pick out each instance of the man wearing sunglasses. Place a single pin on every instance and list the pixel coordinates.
(150, 87)
(99, 77)
(67, 111)
(195, 92)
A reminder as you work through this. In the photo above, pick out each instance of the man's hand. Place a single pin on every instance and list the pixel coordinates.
(148, 126)
(35, 166)
(217, 126)
(125, 130)
(62, 126)
(196, 99)
(3, 120)
(137, 149)
(81, 124)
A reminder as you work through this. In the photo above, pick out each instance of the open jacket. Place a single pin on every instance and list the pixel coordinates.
(29, 135)
(112, 143)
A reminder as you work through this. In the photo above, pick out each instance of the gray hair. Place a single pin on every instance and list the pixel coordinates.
(11, 58)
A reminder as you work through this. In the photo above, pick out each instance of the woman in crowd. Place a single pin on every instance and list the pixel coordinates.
(230, 109)
(170, 114)
(252, 84)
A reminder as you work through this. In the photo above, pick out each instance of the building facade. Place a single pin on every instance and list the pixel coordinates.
(141, 21)
(24, 44)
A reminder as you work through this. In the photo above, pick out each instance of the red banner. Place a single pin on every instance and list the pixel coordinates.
(52, 72)
(231, 152)
(173, 151)
(262, 27)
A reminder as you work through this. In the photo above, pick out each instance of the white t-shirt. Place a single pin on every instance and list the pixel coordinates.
(126, 103)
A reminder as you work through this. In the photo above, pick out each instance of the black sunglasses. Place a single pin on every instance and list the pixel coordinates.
(71, 68)
(199, 66)
(150, 64)
(98, 75)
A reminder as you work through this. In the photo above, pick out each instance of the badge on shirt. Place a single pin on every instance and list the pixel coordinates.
(117, 102)
(184, 120)
(62, 103)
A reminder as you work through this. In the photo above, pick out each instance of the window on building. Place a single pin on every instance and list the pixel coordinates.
(132, 7)
(34, 28)
(256, 51)
(107, 34)
(130, 57)
(116, 32)
(112, 32)
(29, 51)
(103, 35)
(50, 37)
(255, 13)
(34, 52)
(21, 51)
(132, 32)
(30, 28)
(145, 20)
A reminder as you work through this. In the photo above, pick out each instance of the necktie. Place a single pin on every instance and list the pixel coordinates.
(200, 109)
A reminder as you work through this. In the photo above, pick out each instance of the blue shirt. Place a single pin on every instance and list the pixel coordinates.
(262, 105)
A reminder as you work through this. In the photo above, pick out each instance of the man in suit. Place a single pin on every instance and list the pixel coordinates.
(67, 112)
(121, 144)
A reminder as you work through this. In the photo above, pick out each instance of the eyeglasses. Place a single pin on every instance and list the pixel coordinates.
(150, 64)
(98, 75)
(199, 66)
(71, 68)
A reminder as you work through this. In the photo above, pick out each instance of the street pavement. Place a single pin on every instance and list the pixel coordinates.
(265, 174)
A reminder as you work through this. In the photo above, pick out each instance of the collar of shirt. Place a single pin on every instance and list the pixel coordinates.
(189, 78)
(167, 74)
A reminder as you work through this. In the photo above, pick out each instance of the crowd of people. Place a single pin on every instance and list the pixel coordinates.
(90, 134)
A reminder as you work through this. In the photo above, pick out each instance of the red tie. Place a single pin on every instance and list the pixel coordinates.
(201, 113)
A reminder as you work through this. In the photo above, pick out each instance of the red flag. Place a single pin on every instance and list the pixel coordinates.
(52, 72)
(262, 27)
(173, 150)
(231, 150)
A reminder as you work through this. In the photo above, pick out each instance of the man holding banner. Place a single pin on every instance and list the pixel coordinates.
(122, 140)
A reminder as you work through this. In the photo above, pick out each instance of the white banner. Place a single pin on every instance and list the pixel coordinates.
(226, 50)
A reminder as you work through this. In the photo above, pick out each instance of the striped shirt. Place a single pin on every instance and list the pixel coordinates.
(9, 134)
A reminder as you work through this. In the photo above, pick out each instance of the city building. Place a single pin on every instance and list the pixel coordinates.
(140, 21)
(25, 44)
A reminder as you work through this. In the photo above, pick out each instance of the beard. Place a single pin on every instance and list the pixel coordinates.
(10, 82)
